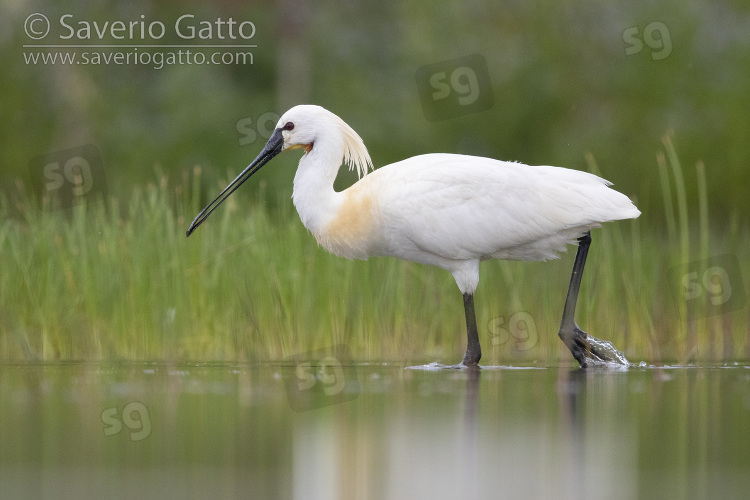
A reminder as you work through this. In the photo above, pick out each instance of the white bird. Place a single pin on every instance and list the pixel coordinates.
(451, 211)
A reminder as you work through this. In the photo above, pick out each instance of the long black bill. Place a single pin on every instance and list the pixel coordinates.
(271, 149)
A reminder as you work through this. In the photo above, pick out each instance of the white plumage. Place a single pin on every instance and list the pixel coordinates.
(447, 210)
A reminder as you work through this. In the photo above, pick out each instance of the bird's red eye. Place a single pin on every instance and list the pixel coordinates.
(289, 126)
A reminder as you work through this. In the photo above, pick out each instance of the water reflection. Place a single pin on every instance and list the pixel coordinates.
(449, 436)
(154, 431)
(599, 450)
(470, 449)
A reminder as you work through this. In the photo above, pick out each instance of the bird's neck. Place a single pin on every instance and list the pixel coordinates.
(313, 194)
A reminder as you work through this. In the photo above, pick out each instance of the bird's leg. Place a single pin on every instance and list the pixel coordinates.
(587, 350)
(473, 350)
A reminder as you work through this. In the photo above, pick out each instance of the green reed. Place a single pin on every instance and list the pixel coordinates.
(118, 280)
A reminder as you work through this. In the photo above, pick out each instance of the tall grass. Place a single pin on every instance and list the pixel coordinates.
(118, 280)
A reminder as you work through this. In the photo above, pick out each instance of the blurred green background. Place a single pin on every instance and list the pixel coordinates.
(562, 80)
(575, 84)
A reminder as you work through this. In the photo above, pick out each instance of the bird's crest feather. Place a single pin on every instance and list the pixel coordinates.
(355, 152)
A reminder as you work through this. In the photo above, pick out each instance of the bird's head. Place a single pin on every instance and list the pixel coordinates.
(305, 125)
(302, 127)
(298, 128)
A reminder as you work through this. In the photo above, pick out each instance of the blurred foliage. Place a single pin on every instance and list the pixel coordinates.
(562, 81)
(121, 282)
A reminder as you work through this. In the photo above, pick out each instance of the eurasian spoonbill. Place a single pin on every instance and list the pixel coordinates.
(448, 210)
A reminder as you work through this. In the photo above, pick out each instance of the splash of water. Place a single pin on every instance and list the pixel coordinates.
(605, 354)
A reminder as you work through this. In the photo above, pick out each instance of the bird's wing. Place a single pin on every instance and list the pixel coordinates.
(464, 207)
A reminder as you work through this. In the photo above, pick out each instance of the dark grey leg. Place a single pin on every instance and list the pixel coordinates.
(586, 349)
(473, 350)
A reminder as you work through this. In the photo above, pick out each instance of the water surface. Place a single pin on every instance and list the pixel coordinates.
(323, 430)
